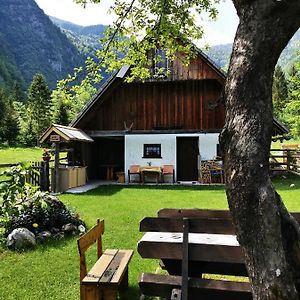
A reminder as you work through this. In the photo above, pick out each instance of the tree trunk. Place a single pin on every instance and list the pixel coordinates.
(270, 237)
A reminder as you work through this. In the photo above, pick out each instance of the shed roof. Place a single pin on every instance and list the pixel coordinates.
(66, 133)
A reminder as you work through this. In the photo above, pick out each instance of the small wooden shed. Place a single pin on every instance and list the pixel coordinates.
(66, 139)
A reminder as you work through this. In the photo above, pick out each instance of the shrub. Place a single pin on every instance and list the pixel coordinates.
(22, 205)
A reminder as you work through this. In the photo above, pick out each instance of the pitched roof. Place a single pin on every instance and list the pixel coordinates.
(279, 128)
(66, 133)
(117, 76)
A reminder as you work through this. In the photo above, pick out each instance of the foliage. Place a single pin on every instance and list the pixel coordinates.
(9, 120)
(39, 103)
(292, 110)
(22, 205)
(67, 103)
(15, 190)
(279, 92)
(141, 28)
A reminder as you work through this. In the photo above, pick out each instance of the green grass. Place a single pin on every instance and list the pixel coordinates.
(15, 155)
(52, 271)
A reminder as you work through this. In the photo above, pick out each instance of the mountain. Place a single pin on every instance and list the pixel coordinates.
(95, 30)
(84, 38)
(30, 43)
(221, 53)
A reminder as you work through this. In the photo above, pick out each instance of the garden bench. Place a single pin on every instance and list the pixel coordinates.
(169, 237)
(190, 243)
(110, 272)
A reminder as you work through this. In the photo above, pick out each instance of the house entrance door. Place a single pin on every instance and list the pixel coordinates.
(187, 158)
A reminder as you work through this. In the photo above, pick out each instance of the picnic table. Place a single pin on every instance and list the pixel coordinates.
(187, 248)
(150, 171)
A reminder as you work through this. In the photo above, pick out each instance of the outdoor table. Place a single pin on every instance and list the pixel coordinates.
(206, 251)
(150, 171)
(109, 170)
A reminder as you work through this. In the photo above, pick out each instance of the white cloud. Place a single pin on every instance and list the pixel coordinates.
(69, 11)
(220, 32)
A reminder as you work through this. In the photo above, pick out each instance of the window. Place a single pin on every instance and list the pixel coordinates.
(152, 151)
(161, 63)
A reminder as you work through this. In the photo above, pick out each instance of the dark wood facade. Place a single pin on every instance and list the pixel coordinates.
(159, 105)
(189, 99)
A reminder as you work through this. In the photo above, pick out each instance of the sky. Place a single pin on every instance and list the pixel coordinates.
(220, 32)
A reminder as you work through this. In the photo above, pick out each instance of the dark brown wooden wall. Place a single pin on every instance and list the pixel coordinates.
(185, 104)
(198, 68)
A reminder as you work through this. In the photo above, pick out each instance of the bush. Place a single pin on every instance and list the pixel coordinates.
(22, 205)
(40, 213)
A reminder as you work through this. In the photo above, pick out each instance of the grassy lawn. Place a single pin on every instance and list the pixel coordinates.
(52, 271)
(14, 155)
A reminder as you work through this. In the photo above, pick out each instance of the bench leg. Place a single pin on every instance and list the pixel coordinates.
(124, 282)
(92, 293)
(110, 294)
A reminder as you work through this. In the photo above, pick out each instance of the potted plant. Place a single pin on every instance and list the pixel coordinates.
(46, 155)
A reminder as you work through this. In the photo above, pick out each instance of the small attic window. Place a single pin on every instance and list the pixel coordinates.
(161, 62)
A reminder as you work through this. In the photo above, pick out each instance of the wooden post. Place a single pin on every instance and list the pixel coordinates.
(56, 168)
(185, 260)
(288, 160)
(44, 176)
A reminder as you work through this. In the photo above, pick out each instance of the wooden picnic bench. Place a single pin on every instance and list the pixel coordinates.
(189, 243)
(110, 272)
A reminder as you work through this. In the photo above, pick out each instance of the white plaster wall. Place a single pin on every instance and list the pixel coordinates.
(208, 145)
(134, 147)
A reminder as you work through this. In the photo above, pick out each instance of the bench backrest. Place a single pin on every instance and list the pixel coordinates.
(88, 239)
(196, 225)
(200, 221)
(134, 169)
(203, 214)
(194, 213)
(167, 169)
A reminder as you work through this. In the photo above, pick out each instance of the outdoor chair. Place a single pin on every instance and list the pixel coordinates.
(134, 170)
(168, 170)
(216, 170)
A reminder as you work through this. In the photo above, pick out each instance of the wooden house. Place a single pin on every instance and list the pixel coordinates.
(172, 120)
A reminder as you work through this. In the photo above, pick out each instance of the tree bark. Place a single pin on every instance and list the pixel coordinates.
(269, 236)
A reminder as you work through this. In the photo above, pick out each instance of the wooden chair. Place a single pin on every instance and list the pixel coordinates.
(168, 170)
(134, 170)
(110, 272)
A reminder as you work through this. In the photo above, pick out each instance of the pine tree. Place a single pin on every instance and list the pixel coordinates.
(11, 123)
(39, 103)
(2, 113)
(292, 110)
(279, 92)
(16, 93)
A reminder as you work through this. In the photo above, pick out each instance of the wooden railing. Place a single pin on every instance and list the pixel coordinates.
(38, 176)
(285, 160)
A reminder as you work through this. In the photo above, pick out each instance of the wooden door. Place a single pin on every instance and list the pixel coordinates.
(187, 158)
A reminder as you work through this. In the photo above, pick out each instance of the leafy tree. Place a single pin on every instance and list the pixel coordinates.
(269, 236)
(39, 103)
(67, 103)
(279, 92)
